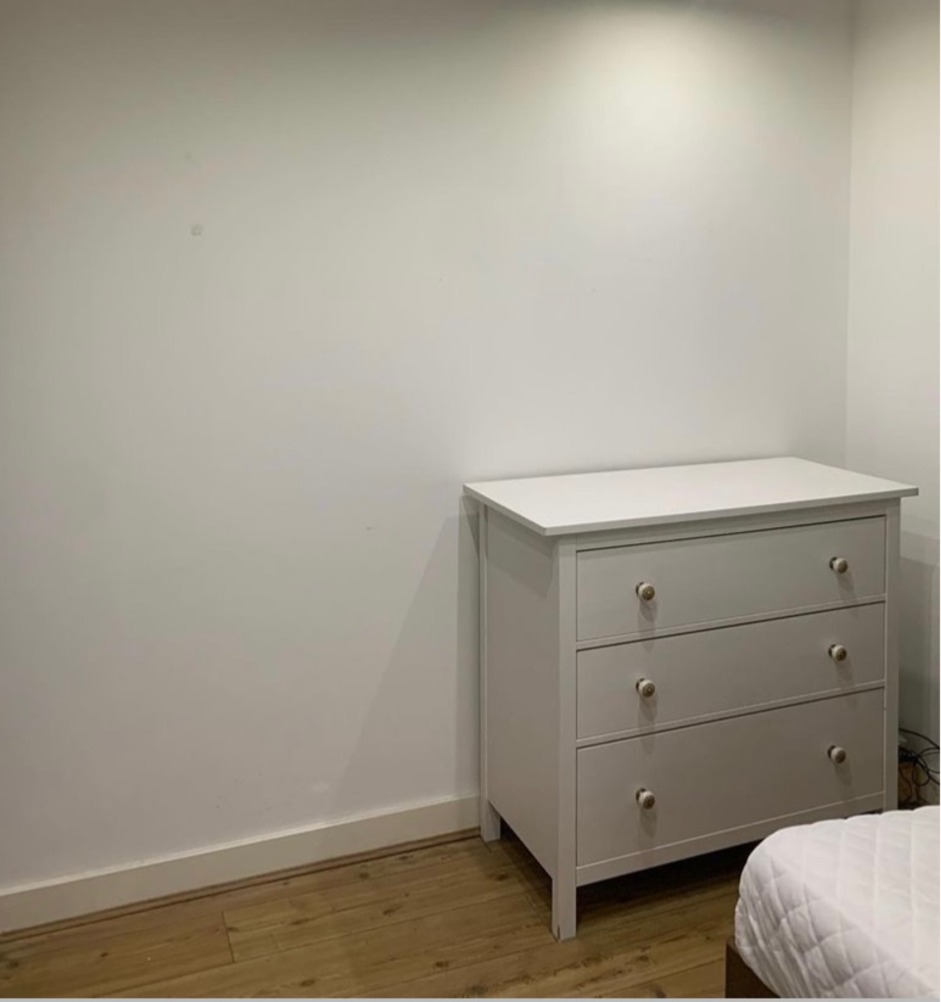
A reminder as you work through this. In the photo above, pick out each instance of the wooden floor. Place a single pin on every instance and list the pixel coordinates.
(460, 919)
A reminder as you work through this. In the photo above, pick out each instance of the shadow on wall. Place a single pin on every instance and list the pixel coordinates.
(418, 671)
(919, 660)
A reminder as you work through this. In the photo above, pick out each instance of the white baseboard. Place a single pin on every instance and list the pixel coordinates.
(50, 901)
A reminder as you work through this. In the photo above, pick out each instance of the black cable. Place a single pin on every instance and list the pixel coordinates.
(923, 762)
(919, 759)
(919, 775)
(924, 737)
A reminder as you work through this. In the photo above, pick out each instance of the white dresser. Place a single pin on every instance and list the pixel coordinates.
(680, 659)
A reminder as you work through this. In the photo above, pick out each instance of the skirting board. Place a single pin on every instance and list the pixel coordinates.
(36, 904)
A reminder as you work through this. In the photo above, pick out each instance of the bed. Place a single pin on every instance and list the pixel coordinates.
(843, 909)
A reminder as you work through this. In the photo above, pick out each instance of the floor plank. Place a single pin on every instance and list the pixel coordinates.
(113, 962)
(273, 890)
(350, 908)
(704, 982)
(359, 963)
(460, 919)
(627, 949)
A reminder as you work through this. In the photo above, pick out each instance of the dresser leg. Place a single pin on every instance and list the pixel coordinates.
(489, 821)
(563, 907)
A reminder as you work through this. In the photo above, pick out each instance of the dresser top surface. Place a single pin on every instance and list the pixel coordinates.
(622, 499)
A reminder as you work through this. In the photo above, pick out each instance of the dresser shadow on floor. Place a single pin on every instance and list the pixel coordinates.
(633, 891)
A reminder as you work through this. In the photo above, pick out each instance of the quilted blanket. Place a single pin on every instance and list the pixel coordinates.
(845, 908)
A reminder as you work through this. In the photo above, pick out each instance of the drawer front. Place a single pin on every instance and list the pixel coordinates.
(716, 578)
(735, 667)
(726, 774)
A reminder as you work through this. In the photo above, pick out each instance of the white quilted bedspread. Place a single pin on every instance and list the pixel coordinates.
(845, 908)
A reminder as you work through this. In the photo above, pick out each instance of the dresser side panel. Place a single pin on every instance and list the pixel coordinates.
(522, 695)
(892, 643)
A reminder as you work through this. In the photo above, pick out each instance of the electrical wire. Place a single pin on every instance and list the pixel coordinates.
(924, 737)
(920, 757)
(920, 773)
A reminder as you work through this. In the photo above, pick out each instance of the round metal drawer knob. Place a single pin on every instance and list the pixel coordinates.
(839, 564)
(646, 799)
(646, 687)
(838, 652)
(837, 754)
(645, 591)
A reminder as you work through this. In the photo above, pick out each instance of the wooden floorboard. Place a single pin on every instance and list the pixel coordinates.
(704, 982)
(326, 913)
(454, 920)
(264, 888)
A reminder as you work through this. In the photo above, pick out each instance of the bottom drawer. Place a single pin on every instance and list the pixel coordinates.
(717, 776)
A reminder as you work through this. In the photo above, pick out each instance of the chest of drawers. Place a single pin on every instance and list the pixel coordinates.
(681, 659)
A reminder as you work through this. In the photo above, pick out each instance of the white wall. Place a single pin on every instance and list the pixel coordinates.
(442, 240)
(892, 403)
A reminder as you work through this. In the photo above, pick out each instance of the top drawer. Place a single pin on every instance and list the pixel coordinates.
(717, 578)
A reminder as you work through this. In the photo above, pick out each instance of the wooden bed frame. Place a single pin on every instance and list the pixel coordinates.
(741, 982)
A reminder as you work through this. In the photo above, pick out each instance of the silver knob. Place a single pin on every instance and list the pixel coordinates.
(838, 652)
(839, 564)
(646, 799)
(645, 687)
(645, 591)
(837, 754)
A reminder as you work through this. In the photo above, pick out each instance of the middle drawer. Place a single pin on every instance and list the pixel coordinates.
(696, 675)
